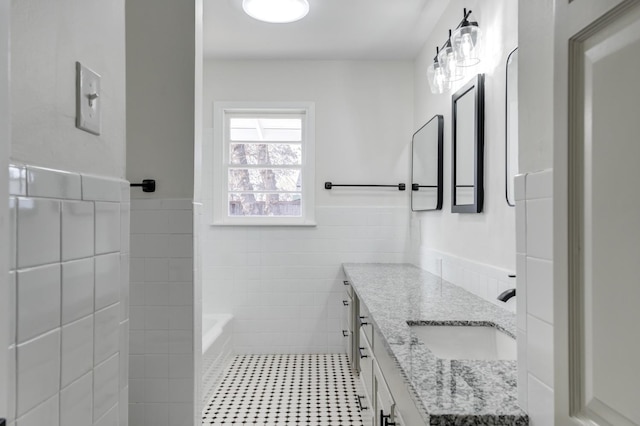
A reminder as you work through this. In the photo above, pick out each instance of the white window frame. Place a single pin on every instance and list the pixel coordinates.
(221, 155)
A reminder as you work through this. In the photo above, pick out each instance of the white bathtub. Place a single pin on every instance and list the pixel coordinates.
(217, 349)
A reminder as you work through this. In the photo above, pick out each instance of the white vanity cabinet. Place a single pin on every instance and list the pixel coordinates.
(386, 400)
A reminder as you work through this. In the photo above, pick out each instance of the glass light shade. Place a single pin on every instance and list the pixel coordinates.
(466, 44)
(276, 11)
(438, 81)
(448, 61)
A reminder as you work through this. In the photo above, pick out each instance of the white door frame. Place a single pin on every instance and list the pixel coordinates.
(570, 18)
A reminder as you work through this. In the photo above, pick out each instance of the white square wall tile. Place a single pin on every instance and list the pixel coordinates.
(107, 333)
(17, 180)
(38, 375)
(156, 270)
(156, 390)
(77, 349)
(180, 222)
(156, 415)
(540, 350)
(13, 212)
(11, 384)
(124, 355)
(53, 183)
(521, 226)
(107, 227)
(540, 404)
(76, 402)
(125, 228)
(107, 287)
(523, 371)
(124, 287)
(540, 288)
(156, 366)
(123, 407)
(105, 386)
(110, 418)
(39, 232)
(47, 413)
(521, 287)
(519, 183)
(96, 188)
(77, 289)
(77, 229)
(539, 240)
(540, 184)
(12, 308)
(180, 246)
(38, 297)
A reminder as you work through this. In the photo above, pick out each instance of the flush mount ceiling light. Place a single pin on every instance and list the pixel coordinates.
(276, 11)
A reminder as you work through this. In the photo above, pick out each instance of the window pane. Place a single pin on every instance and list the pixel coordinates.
(265, 129)
(277, 154)
(248, 204)
(265, 180)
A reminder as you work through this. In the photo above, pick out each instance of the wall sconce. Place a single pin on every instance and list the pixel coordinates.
(461, 50)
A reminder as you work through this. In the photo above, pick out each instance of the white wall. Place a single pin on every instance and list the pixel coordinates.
(485, 242)
(47, 38)
(284, 284)
(160, 95)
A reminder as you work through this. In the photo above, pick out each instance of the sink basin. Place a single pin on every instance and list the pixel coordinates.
(466, 342)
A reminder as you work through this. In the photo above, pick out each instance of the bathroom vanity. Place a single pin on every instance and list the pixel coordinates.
(428, 352)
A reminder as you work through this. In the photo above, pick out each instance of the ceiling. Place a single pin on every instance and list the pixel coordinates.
(333, 29)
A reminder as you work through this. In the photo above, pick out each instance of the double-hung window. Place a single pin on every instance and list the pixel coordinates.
(264, 164)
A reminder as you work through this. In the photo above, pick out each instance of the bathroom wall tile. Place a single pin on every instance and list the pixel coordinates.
(13, 225)
(137, 341)
(180, 246)
(156, 294)
(39, 231)
(156, 342)
(137, 317)
(12, 314)
(523, 371)
(521, 226)
(123, 405)
(180, 294)
(149, 221)
(38, 377)
(540, 284)
(180, 270)
(107, 219)
(76, 402)
(17, 180)
(11, 386)
(77, 289)
(156, 414)
(111, 417)
(540, 184)
(77, 349)
(180, 318)
(136, 366)
(156, 390)
(520, 187)
(136, 390)
(156, 270)
(107, 332)
(136, 413)
(540, 402)
(96, 188)
(156, 366)
(105, 386)
(125, 191)
(38, 296)
(521, 287)
(156, 318)
(124, 355)
(180, 390)
(540, 350)
(179, 222)
(107, 281)
(46, 413)
(125, 228)
(77, 229)
(540, 228)
(124, 287)
(180, 342)
(180, 414)
(50, 183)
(181, 366)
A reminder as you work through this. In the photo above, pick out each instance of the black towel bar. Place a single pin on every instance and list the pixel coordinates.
(400, 186)
(148, 185)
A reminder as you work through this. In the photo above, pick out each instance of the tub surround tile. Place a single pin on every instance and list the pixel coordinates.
(77, 349)
(76, 402)
(99, 188)
(490, 397)
(38, 231)
(51, 183)
(77, 289)
(17, 180)
(77, 229)
(38, 297)
(107, 220)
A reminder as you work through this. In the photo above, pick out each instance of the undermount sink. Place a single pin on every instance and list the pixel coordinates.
(466, 342)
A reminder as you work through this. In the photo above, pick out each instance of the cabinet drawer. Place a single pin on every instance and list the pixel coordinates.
(365, 323)
(347, 288)
(385, 405)
(365, 355)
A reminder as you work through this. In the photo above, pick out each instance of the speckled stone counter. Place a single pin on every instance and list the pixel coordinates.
(447, 392)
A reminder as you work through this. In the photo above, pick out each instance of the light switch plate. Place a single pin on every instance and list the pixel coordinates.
(88, 99)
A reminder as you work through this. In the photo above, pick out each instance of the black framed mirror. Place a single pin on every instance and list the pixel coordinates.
(511, 126)
(467, 134)
(426, 166)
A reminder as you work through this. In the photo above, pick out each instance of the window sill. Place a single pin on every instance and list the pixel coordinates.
(266, 224)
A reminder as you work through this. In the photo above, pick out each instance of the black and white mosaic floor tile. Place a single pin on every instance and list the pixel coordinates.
(272, 390)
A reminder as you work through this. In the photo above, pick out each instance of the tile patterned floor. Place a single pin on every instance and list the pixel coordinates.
(317, 390)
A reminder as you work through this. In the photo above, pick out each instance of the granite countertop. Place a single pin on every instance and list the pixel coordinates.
(447, 392)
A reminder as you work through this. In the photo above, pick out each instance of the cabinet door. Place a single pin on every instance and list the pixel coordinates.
(385, 405)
